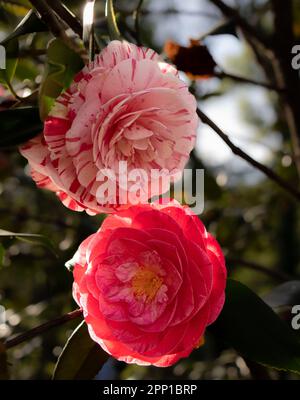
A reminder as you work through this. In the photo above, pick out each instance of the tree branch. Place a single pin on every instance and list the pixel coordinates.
(278, 52)
(242, 79)
(243, 24)
(239, 152)
(278, 275)
(262, 50)
(284, 73)
(42, 328)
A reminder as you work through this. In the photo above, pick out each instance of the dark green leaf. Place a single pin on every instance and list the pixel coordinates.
(29, 238)
(19, 125)
(29, 24)
(27, 69)
(62, 65)
(81, 357)
(113, 29)
(250, 326)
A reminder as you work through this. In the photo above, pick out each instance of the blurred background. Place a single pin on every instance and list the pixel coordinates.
(256, 223)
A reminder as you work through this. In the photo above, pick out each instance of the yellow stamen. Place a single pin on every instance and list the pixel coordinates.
(146, 283)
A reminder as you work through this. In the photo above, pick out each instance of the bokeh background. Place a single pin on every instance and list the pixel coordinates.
(256, 223)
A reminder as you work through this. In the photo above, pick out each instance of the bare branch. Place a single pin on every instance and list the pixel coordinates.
(42, 328)
(242, 79)
(278, 52)
(230, 12)
(278, 275)
(285, 75)
(239, 152)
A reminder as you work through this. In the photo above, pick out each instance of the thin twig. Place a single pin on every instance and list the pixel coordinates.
(232, 13)
(278, 52)
(242, 79)
(42, 328)
(260, 44)
(278, 275)
(12, 90)
(261, 47)
(239, 152)
(285, 75)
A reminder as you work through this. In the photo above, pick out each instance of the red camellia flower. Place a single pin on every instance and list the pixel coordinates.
(149, 282)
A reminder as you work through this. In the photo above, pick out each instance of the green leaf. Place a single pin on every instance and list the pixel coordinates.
(251, 327)
(19, 125)
(27, 69)
(62, 64)
(3, 363)
(7, 74)
(29, 24)
(81, 357)
(29, 238)
(113, 29)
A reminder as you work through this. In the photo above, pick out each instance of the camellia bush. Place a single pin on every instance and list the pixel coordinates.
(98, 129)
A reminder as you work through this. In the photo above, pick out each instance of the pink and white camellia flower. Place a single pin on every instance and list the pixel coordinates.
(128, 105)
(149, 282)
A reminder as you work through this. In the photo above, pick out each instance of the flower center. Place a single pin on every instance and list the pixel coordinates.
(146, 283)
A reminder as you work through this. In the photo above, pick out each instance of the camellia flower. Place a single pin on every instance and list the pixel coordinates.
(126, 106)
(149, 282)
